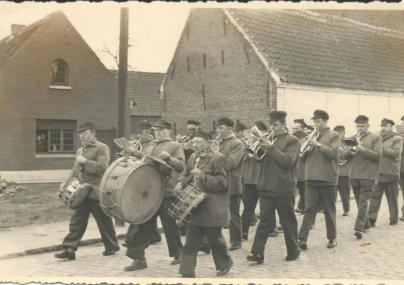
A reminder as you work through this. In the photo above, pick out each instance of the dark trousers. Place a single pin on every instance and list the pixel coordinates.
(250, 202)
(402, 189)
(300, 188)
(143, 236)
(313, 197)
(193, 242)
(362, 190)
(235, 220)
(79, 221)
(285, 209)
(391, 190)
(134, 228)
(344, 192)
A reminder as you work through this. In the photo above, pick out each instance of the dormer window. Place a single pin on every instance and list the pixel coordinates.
(60, 75)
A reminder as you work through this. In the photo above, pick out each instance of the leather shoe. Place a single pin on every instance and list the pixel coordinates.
(372, 223)
(358, 234)
(225, 270)
(136, 265)
(332, 243)
(176, 261)
(300, 211)
(187, 276)
(245, 236)
(258, 258)
(125, 244)
(69, 255)
(235, 247)
(292, 257)
(392, 223)
(402, 218)
(345, 214)
(302, 245)
(273, 234)
(110, 252)
(279, 229)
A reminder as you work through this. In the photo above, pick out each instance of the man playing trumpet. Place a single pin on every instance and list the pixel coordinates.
(321, 174)
(276, 186)
(209, 172)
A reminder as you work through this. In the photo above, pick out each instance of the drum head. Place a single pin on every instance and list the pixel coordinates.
(141, 194)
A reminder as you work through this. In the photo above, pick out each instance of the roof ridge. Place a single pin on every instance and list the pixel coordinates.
(362, 24)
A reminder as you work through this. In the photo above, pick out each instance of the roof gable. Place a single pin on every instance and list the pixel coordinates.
(310, 49)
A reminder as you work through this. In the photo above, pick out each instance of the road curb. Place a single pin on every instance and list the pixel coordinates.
(52, 248)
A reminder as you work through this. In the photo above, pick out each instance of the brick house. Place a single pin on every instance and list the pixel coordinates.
(51, 82)
(243, 63)
(144, 97)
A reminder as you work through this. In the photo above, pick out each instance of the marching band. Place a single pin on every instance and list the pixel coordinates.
(250, 165)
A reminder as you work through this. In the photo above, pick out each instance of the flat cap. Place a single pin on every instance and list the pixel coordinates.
(201, 134)
(386, 121)
(320, 114)
(277, 116)
(362, 119)
(225, 121)
(86, 126)
(261, 125)
(144, 125)
(193, 122)
(160, 123)
(300, 121)
(339, 128)
(239, 126)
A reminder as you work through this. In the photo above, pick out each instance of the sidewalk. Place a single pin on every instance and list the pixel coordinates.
(36, 176)
(35, 239)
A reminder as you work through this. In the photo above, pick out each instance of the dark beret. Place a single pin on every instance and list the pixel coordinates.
(86, 126)
(277, 116)
(200, 134)
(193, 122)
(261, 125)
(225, 121)
(239, 126)
(320, 114)
(339, 128)
(162, 124)
(387, 122)
(361, 119)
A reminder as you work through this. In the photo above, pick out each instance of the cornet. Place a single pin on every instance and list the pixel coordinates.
(215, 143)
(306, 147)
(255, 147)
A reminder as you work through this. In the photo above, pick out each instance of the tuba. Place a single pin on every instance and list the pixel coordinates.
(306, 147)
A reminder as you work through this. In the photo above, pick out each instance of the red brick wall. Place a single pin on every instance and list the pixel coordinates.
(25, 95)
(237, 88)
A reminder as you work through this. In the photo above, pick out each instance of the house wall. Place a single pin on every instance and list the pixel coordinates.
(239, 87)
(342, 105)
(25, 95)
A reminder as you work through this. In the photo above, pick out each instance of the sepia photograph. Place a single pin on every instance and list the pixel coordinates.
(156, 143)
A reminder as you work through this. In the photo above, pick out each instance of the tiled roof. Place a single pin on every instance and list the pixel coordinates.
(308, 48)
(144, 90)
(10, 44)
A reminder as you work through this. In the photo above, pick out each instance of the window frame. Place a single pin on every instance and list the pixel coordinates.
(65, 85)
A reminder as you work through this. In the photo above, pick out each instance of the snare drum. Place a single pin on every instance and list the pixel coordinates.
(73, 192)
(186, 200)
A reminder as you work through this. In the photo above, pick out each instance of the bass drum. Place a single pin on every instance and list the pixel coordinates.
(131, 190)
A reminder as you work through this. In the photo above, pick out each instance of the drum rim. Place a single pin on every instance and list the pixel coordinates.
(106, 175)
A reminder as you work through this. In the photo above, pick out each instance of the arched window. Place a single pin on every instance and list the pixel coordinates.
(60, 72)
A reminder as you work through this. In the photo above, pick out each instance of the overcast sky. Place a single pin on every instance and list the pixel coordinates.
(154, 29)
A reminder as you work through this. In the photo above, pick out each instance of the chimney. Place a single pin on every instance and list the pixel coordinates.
(16, 29)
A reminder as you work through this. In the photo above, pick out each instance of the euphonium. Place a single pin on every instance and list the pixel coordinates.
(306, 147)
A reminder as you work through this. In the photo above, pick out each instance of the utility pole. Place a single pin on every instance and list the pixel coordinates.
(123, 108)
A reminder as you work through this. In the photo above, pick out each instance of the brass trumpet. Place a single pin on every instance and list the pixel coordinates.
(306, 147)
(215, 143)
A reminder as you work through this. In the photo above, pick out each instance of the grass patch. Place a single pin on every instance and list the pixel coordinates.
(37, 204)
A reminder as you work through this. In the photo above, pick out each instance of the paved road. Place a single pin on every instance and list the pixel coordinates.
(379, 255)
